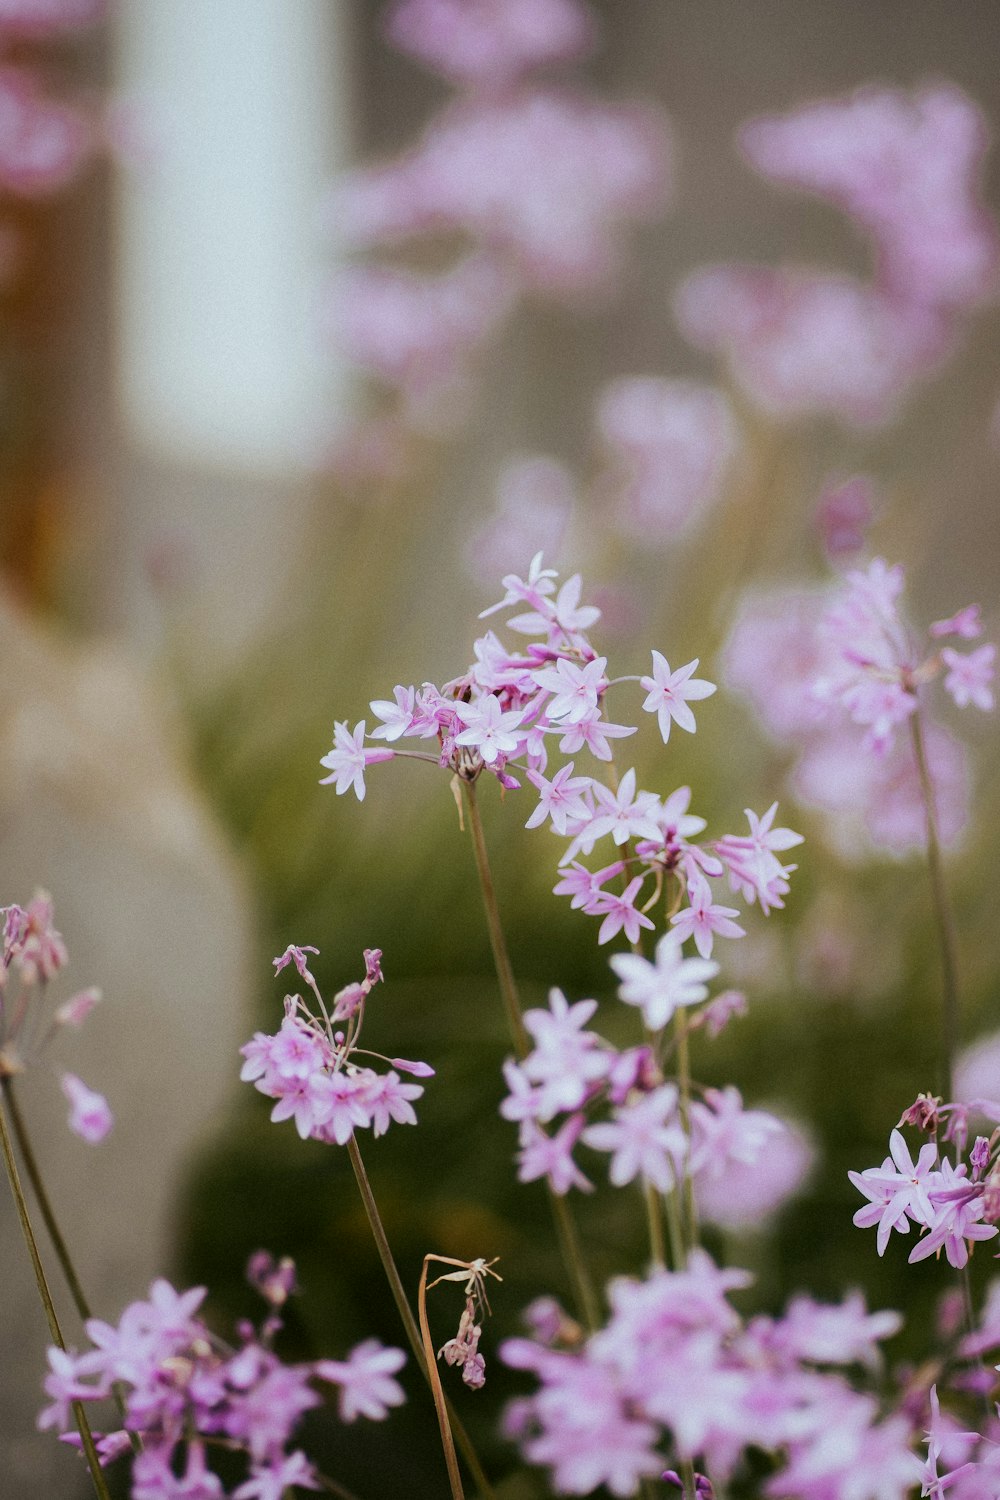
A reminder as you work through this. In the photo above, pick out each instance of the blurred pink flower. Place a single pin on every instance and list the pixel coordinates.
(489, 43)
(42, 142)
(548, 178)
(843, 515)
(906, 167)
(90, 1114)
(418, 333)
(536, 499)
(671, 444)
(801, 342)
(743, 1195)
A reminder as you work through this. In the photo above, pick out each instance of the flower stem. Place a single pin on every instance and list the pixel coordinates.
(409, 1322)
(569, 1240)
(55, 1234)
(942, 911)
(654, 1218)
(34, 1176)
(440, 1404)
(690, 1214)
(83, 1426)
(501, 958)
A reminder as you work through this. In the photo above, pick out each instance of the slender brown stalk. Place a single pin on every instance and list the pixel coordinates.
(569, 1241)
(55, 1235)
(498, 943)
(413, 1334)
(34, 1176)
(83, 1425)
(947, 943)
(440, 1405)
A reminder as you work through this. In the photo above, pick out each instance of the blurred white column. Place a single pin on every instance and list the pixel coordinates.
(226, 392)
(221, 256)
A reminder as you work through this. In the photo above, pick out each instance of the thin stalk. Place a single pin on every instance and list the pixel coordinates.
(576, 1266)
(686, 1471)
(409, 1322)
(498, 943)
(569, 1241)
(684, 1107)
(34, 1176)
(55, 1234)
(83, 1425)
(672, 1205)
(942, 911)
(654, 1218)
(440, 1405)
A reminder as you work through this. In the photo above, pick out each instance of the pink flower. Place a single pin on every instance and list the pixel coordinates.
(802, 342)
(620, 912)
(645, 1138)
(489, 43)
(843, 515)
(367, 1388)
(662, 987)
(703, 919)
(90, 1114)
(668, 694)
(276, 1479)
(965, 623)
(970, 675)
(551, 1156)
(560, 799)
(488, 729)
(671, 445)
(906, 167)
(296, 956)
(397, 716)
(536, 498)
(347, 760)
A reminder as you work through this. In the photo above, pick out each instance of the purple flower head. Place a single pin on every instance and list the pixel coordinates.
(90, 1114)
(296, 956)
(274, 1280)
(668, 694)
(367, 1388)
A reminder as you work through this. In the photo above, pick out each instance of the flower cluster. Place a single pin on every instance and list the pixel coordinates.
(571, 1074)
(35, 953)
(507, 711)
(181, 1389)
(837, 673)
(905, 168)
(947, 1197)
(676, 1364)
(311, 1064)
(539, 181)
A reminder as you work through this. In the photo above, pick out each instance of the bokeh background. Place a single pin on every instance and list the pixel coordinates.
(217, 538)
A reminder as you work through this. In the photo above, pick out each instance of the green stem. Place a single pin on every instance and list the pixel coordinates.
(83, 1426)
(569, 1240)
(409, 1322)
(498, 943)
(942, 911)
(440, 1404)
(690, 1215)
(55, 1235)
(672, 1205)
(34, 1176)
(572, 1256)
(654, 1218)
